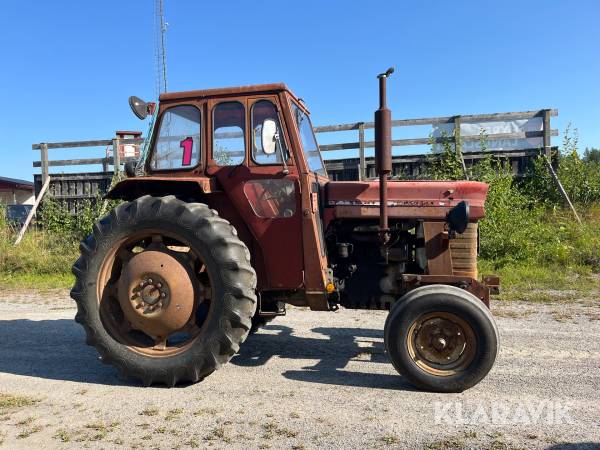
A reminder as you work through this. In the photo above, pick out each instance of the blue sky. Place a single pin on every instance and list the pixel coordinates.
(69, 66)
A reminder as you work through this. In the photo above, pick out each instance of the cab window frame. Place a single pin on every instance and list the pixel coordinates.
(213, 107)
(296, 104)
(156, 135)
(282, 134)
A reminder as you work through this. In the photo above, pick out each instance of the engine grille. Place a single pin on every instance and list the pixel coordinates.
(463, 250)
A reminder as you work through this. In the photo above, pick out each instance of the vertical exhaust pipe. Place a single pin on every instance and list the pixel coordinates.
(383, 154)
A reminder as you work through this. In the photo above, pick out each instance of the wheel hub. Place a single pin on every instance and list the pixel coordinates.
(156, 293)
(151, 293)
(440, 341)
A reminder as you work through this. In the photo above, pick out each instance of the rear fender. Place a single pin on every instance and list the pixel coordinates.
(183, 188)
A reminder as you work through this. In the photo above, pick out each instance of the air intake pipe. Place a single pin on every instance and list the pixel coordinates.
(383, 154)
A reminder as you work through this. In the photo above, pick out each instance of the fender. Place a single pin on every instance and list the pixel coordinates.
(181, 187)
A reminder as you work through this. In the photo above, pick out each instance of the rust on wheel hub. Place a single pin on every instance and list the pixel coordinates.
(156, 293)
(441, 343)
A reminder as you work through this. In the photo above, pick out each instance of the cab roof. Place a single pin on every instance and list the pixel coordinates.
(228, 91)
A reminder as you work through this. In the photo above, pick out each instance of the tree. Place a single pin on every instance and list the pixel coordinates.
(591, 155)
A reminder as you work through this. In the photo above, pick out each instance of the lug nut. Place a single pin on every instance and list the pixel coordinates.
(159, 285)
(150, 280)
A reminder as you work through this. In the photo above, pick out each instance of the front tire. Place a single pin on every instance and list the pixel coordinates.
(164, 290)
(441, 338)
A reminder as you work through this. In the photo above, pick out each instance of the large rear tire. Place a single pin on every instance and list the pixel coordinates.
(164, 290)
(441, 338)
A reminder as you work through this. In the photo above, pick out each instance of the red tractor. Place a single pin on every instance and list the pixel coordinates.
(229, 216)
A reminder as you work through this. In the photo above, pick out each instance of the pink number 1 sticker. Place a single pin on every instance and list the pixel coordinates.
(187, 144)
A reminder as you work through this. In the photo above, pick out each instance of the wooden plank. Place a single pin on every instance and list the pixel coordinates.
(458, 145)
(116, 157)
(361, 152)
(507, 116)
(440, 120)
(44, 161)
(436, 140)
(33, 210)
(547, 134)
(96, 143)
(81, 162)
(470, 155)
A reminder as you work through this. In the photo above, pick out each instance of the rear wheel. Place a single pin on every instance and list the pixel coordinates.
(441, 338)
(164, 290)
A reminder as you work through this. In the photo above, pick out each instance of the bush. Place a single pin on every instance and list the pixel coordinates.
(580, 177)
(56, 217)
(525, 221)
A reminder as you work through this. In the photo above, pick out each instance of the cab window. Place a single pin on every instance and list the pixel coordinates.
(309, 143)
(229, 123)
(265, 110)
(178, 143)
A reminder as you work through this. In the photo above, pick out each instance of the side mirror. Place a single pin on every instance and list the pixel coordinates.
(458, 218)
(267, 138)
(140, 108)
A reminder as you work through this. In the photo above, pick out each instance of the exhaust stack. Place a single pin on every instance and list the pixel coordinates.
(383, 153)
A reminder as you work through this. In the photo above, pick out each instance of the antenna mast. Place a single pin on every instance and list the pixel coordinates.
(160, 27)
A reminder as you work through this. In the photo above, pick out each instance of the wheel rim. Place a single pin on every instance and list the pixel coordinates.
(441, 343)
(154, 293)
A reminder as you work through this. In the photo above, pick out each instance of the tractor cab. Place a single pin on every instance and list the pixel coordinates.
(251, 154)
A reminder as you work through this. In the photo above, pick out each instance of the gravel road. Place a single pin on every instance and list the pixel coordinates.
(308, 380)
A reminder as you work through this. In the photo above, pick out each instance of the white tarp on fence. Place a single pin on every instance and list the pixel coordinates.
(489, 128)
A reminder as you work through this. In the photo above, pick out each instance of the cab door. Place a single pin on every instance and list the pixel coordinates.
(263, 186)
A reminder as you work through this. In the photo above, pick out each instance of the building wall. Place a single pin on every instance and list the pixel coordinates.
(23, 197)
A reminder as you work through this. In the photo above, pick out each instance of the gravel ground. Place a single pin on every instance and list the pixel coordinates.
(307, 380)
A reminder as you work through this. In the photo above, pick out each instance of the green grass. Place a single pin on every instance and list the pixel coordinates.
(8, 401)
(528, 281)
(39, 282)
(41, 261)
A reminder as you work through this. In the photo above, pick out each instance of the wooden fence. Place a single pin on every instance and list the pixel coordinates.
(72, 187)
(410, 166)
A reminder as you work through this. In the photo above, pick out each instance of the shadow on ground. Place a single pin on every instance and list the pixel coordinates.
(332, 352)
(55, 349)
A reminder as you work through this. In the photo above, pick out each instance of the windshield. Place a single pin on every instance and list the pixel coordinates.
(309, 143)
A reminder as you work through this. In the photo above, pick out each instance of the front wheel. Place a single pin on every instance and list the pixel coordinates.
(164, 290)
(441, 338)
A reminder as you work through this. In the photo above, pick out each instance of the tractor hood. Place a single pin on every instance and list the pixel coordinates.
(406, 199)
